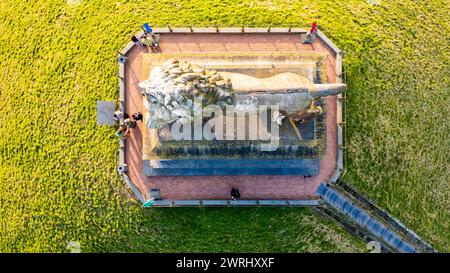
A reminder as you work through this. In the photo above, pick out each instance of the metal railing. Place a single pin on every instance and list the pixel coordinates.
(173, 29)
(344, 117)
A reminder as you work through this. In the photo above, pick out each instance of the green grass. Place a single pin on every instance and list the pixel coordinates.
(57, 170)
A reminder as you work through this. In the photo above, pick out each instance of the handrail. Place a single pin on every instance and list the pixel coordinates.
(344, 117)
(289, 28)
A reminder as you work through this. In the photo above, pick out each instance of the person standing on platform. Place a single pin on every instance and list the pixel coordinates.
(137, 116)
(129, 123)
(135, 40)
(235, 194)
(123, 131)
(118, 115)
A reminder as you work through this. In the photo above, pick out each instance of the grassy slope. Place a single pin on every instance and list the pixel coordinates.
(398, 118)
(57, 172)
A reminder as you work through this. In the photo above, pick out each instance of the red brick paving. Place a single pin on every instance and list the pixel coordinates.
(218, 187)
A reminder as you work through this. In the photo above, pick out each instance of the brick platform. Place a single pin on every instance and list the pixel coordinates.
(218, 187)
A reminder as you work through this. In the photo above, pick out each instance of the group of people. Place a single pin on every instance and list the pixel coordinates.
(129, 123)
(147, 39)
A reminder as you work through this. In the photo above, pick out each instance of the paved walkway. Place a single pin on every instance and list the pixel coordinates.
(218, 187)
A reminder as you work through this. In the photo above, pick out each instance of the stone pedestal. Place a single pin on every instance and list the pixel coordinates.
(295, 155)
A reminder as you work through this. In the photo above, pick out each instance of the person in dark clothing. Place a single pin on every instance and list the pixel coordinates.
(119, 115)
(235, 194)
(150, 40)
(135, 40)
(129, 123)
(238, 194)
(137, 116)
(123, 131)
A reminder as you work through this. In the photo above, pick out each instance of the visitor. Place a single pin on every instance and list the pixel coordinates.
(123, 131)
(150, 40)
(137, 116)
(235, 194)
(313, 29)
(147, 28)
(135, 40)
(118, 115)
(238, 194)
(129, 123)
(310, 36)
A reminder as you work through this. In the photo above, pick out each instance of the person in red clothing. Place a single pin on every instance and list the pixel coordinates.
(309, 37)
(313, 29)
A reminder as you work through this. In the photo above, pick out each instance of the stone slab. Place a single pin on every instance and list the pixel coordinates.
(273, 202)
(186, 203)
(105, 111)
(217, 203)
(121, 70)
(256, 29)
(127, 48)
(161, 30)
(299, 30)
(121, 90)
(230, 29)
(244, 203)
(279, 29)
(121, 155)
(204, 29)
(181, 29)
(303, 203)
(163, 203)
